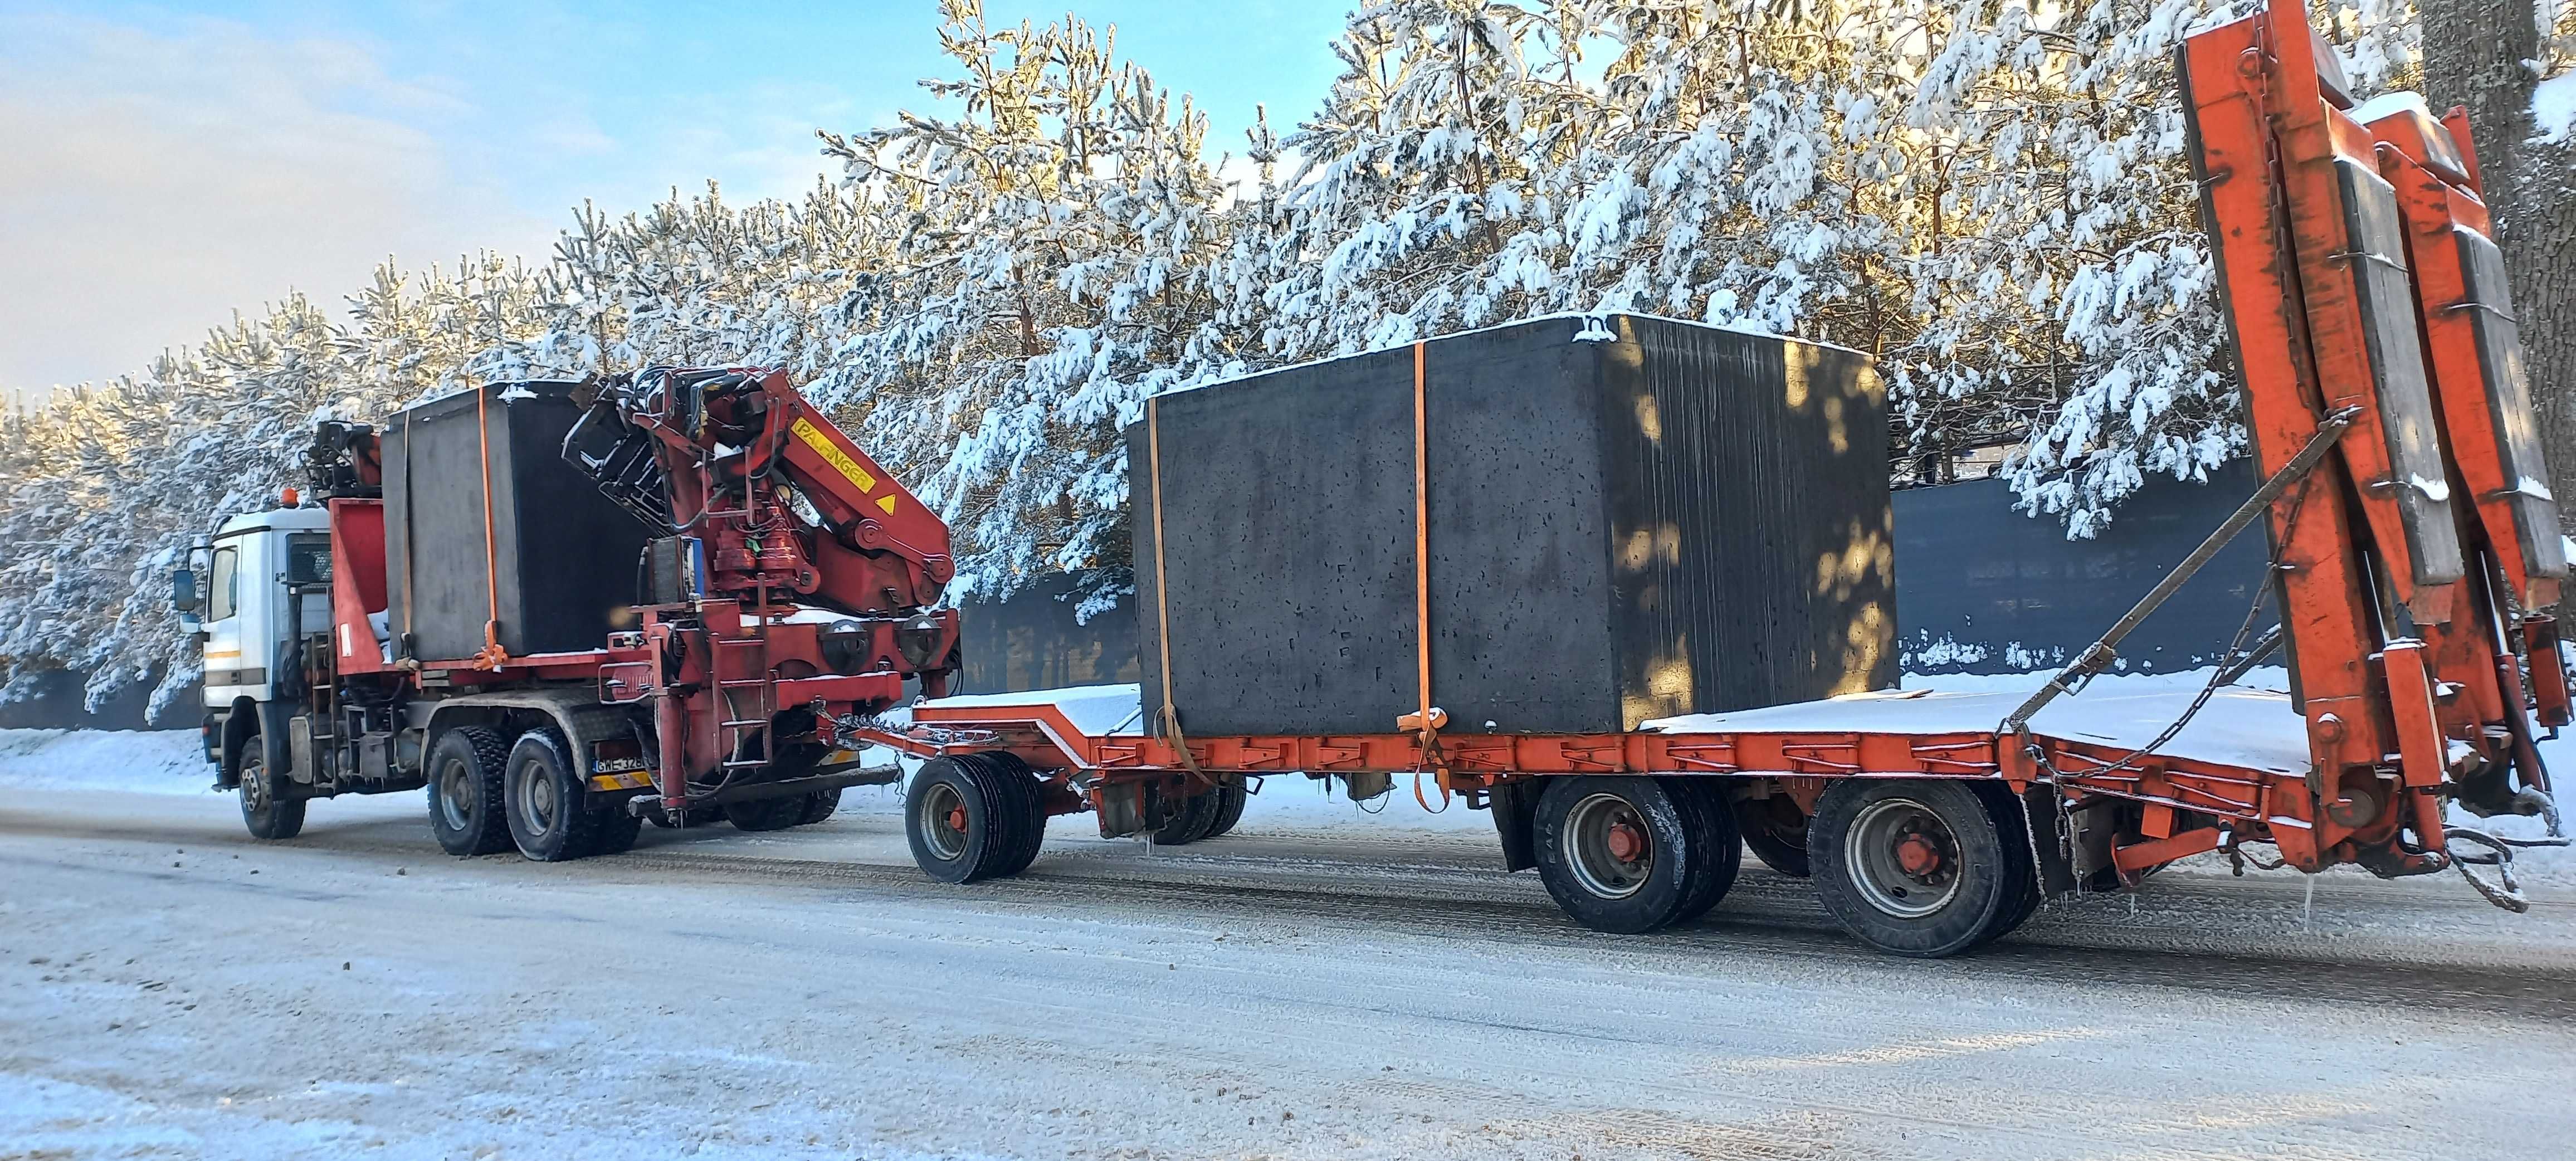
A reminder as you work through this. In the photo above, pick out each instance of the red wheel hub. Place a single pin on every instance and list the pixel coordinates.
(1625, 841)
(956, 818)
(1916, 856)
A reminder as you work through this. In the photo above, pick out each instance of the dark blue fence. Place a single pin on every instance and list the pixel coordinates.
(1981, 588)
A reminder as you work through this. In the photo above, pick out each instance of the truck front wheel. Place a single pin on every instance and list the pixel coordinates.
(266, 810)
(549, 808)
(466, 814)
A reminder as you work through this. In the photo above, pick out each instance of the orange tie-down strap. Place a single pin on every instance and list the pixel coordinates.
(492, 655)
(1424, 723)
(1167, 721)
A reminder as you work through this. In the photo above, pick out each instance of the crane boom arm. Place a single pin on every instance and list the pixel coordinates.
(777, 497)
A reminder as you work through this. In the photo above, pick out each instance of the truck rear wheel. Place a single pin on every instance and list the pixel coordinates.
(766, 814)
(1775, 830)
(466, 813)
(266, 810)
(820, 805)
(1916, 867)
(1616, 852)
(969, 818)
(618, 831)
(548, 807)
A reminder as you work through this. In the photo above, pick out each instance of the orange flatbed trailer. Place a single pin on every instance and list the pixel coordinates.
(2416, 560)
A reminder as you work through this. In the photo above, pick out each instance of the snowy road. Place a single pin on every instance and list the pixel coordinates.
(1293, 992)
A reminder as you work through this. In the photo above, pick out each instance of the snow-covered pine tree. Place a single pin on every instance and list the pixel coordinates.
(2067, 293)
(1052, 272)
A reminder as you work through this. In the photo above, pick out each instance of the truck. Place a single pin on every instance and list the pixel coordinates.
(784, 593)
(2415, 558)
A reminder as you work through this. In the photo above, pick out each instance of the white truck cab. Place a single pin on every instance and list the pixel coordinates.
(239, 594)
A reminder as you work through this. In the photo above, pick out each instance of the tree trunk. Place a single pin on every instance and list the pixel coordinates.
(2473, 56)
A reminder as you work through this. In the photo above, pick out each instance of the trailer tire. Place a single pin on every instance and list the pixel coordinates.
(618, 830)
(2003, 806)
(266, 810)
(820, 805)
(960, 821)
(1230, 811)
(760, 815)
(549, 807)
(1197, 815)
(467, 814)
(1776, 832)
(1027, 805)
(1716, 850)
(1914, 867)
(1615, 852)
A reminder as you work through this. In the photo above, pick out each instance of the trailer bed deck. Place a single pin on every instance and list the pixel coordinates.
(2240, 728)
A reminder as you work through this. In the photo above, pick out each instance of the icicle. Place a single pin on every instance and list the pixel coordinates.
(2308, 907)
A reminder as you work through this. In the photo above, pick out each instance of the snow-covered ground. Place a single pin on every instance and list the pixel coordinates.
(174, 989)
(1324, 983)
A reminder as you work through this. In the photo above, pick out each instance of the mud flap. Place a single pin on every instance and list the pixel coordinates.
(1515, 806)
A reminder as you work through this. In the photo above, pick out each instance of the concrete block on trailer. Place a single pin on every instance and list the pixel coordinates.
(1627, 517)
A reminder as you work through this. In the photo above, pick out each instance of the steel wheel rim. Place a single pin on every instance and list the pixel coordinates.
(536, 806)
(1596, 845)
(254, 784)
(455, 795)
(1886, 848)
(938, 801)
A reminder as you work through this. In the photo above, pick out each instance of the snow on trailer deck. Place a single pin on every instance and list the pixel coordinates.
(2251, 729)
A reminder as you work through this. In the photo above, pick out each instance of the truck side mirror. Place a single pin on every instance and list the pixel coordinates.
(184, 596)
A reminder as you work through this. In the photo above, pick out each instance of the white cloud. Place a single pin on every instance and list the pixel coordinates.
(159, 180)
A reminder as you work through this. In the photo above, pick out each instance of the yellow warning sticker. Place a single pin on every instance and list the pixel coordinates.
(887, 503)
(823, 446)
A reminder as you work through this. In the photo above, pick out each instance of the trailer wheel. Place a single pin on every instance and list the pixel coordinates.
(549, 808)
(1915, 867)
(1197, 816)
(1776, 831)
(1615, 852)
(2014, 828)
(766, 814)
(961, 821)
(1236, 796)
(466, 812)
(1019, 785)
(1716, 850)
(819, 805)
(266, 810)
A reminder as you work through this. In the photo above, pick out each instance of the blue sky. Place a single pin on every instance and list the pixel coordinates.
(171, 162)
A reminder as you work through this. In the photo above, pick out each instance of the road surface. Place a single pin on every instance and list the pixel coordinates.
(174, 989)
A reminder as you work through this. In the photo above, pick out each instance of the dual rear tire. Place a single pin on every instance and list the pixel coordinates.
(488, 794)
(1633, 854)
(974, 816)
(1206, 816)
(1923, 868)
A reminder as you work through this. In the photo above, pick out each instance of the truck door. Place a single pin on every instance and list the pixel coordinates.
(236, 665)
